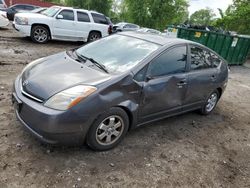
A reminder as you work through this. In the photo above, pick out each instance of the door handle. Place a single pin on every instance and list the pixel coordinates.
(181, 83)
(213, 77)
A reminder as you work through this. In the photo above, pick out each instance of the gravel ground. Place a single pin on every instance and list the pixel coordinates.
(184, 151)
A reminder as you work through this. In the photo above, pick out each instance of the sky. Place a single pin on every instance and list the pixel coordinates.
(213, 4)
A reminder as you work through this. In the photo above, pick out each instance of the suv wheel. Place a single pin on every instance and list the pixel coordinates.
(108, 130)
(94, 36)
(210, 103)
(40, 34)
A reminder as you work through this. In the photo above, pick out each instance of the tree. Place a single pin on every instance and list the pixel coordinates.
(202, 17)
(236, 17)
(103, 6)
(155, 13)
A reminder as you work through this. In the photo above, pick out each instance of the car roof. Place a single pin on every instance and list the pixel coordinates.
(157, 39)
(79, 9)
(24, 5)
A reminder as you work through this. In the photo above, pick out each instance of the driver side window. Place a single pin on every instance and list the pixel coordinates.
(67, 15)
(170, 62)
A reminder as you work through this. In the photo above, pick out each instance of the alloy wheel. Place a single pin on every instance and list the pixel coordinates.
(109, 130)
(40, 35)
(211, 102)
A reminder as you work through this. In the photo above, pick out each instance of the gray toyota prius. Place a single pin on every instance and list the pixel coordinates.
(96, 93)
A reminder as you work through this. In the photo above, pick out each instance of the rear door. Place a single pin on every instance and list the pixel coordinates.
(64, 28)
(166, 84)
(83, 25)
(202, 76)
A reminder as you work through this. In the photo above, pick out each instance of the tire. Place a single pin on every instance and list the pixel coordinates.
(40, 34)
(211, 103)
(108, 130)
(93, 36)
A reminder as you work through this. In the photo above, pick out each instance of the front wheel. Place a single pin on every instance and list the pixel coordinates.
(108, 130)
(40, 34)
(210, 103)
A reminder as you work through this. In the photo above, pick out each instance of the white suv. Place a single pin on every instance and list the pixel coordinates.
(62, 23)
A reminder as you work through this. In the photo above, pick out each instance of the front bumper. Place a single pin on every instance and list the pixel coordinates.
(24, 30)
(48, 125)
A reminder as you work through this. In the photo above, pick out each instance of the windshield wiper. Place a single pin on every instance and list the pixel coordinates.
(99, 65)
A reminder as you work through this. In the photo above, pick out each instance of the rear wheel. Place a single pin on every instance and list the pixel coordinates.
(94, 36)
(210, 103)
(108, 130)
(40, 34)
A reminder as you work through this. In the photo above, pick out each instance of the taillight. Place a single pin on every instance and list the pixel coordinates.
(110, 29)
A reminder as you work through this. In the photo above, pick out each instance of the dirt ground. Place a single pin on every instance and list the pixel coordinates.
(185, 151)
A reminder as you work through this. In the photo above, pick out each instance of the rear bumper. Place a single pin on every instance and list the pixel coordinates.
(48, 125)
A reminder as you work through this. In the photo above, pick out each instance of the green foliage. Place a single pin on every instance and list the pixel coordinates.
(236, 17)
(202, 17)
(103, 6)
(160, 13)
(155, 13)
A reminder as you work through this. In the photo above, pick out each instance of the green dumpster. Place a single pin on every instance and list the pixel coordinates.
(235, 49)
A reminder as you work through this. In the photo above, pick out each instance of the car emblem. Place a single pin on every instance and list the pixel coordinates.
(25, 83)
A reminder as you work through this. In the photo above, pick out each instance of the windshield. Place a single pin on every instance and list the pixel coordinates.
(51, 11)
(118, 53)
(37, 10)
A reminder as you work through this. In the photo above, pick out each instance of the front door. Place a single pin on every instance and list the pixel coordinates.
(64, 25)
(166, 84)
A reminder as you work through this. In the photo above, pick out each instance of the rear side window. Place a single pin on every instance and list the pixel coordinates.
(132, 26)
(200, 58)
(215, 59)
(98, 18)
(67, 15)
(82, 17)
(27, 7)
(170, 62)
(18, 7)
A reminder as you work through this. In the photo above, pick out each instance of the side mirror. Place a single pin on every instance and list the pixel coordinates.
(148, 78)
(59, 16)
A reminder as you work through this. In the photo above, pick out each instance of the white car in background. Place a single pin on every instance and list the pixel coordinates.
(3, 19)
(148, 30)
(124, 26)
(62, 23)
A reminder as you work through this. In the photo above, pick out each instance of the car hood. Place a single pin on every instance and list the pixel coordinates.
(30, 15)
(48, 76)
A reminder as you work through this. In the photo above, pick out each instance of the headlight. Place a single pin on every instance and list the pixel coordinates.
(21, 21)
(69, 97)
